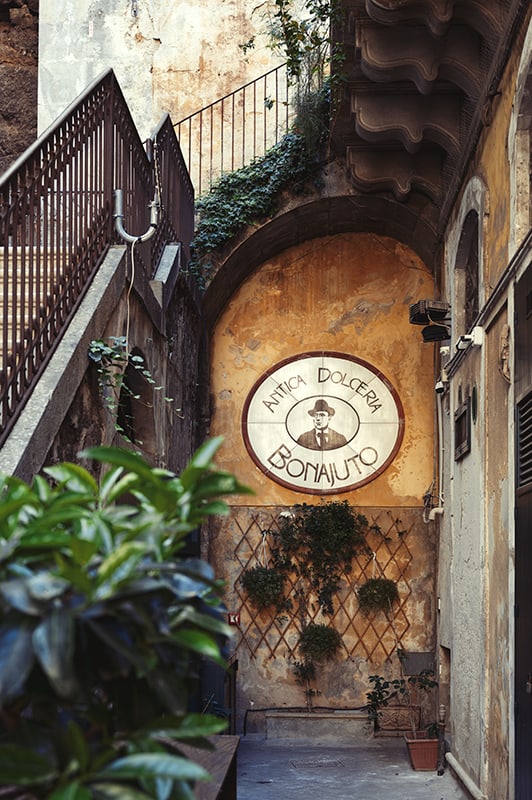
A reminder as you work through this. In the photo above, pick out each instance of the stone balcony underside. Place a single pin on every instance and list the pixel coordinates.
(422, 76)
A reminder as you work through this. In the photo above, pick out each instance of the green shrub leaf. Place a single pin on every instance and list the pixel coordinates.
(153, 765)
(20, 766)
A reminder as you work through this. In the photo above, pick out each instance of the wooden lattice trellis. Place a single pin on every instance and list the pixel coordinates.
(374, 637)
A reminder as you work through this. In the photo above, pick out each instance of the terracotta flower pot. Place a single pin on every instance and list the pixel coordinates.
(423, 751)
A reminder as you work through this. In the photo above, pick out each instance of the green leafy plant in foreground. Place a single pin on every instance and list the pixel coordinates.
(102, 626)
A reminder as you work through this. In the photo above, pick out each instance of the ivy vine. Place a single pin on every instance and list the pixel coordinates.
(304, 36)
(249, 194)
(316, 545)
(112, 359)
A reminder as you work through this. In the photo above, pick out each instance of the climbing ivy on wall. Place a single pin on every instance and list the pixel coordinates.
(300, 32)
(249, 194)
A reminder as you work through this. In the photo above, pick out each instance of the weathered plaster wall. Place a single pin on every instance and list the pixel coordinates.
(349, 294)
(476, 570)
(498, 545)
(167, 56)
(468, 576)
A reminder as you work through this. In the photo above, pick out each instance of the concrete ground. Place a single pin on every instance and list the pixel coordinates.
(296, 769)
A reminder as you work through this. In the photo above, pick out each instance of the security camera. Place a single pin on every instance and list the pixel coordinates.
(440, 387)
(473, 339)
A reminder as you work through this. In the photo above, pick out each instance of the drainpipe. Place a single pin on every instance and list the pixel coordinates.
(464, 778)
(118, 217)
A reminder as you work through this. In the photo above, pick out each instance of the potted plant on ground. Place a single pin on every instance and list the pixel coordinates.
(387, 711)
(423, 745)
(422, 741)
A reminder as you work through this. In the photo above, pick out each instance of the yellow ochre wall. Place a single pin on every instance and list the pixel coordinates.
(347, 293)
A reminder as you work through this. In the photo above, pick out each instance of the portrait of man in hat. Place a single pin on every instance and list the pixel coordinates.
(322, 437)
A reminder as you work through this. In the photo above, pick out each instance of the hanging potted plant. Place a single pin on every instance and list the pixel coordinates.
(265, 588)
(377, 594)
(318, 643)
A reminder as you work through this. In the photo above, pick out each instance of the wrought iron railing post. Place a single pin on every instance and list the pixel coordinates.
(109, 154)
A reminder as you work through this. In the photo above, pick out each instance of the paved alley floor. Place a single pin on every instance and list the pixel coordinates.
(287, 769)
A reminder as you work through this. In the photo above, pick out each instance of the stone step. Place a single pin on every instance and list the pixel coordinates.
(335, 725)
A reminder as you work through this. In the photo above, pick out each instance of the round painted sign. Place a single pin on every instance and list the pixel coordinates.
(323, 423)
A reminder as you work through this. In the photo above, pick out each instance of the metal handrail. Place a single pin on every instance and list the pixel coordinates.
(238, 128)
(56, 224)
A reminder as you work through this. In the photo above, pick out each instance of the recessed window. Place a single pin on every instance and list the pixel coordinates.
(462, 429)
(467, 274)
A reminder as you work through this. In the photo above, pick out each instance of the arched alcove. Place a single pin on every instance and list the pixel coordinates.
(467, 278)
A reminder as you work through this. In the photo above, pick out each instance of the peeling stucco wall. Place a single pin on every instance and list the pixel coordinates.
(167, 57)
(347, 294)
(477, 527)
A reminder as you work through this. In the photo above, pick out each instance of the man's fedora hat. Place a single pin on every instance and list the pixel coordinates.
(321, 405)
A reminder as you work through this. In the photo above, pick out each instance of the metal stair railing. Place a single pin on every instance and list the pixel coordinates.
(236, 129)
(56, 225)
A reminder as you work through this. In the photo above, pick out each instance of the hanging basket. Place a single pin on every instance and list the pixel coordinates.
(265, 587)
(377, 594)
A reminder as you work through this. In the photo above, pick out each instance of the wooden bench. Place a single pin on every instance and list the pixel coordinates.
(220, 763)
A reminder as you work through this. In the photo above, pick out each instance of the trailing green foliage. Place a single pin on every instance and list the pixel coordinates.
(266, 588)
(249, 194)
(117, 369)
(377, 594)
(384, 690)
(102, 624)
(316, 545)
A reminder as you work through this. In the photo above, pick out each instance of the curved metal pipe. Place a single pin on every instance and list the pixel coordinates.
(118, 217)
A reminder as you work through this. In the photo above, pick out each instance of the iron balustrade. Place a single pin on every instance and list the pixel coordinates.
(240, 127)
(56, 224)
